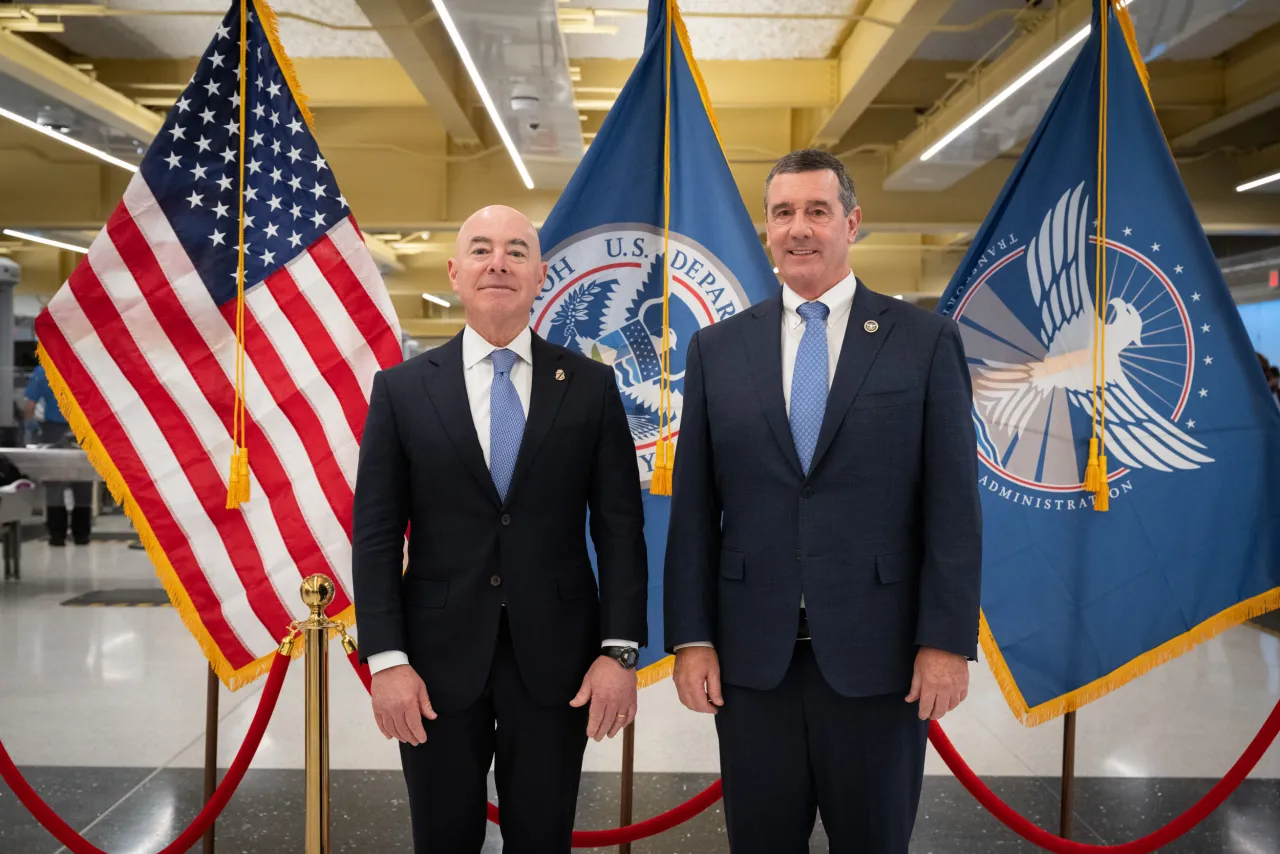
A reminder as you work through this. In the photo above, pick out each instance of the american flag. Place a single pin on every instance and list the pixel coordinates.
(141, 345)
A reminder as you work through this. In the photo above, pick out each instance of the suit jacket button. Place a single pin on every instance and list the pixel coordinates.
(808, 492)
(506, 519)
(496, 581)
(798, 555)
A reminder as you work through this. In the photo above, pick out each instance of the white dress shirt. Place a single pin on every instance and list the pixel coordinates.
(477, 373)
(839, 301)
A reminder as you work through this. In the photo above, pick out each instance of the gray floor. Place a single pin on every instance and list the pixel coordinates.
(145, 810)
(104, 708)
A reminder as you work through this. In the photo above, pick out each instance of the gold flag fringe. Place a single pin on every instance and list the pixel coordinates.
(271, 26)
(682, 35)
(101, 461)
(656, 672)
(1171, 649)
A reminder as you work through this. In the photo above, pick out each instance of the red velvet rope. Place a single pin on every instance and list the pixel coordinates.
(673, 817)
(641, 829)
(68, 836)
(614, 835)
(1006, 814)
(1171, 831)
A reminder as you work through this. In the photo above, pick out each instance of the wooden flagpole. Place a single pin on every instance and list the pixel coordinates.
(1068, 774)
(210, 750)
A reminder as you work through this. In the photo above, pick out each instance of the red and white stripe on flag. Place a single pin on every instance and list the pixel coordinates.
(143, 361)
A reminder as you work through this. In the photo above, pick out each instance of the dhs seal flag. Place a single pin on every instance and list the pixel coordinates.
(1110, 371)
(611, 310)
(652, 209)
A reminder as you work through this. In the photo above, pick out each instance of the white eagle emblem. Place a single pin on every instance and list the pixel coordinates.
(1019, 397)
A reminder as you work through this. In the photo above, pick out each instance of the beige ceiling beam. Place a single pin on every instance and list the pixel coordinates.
(327, 82)
(358, 82)
(873, 54)
(1249, 87)
(393, 169)
(791, 83)
(421, 46)
(61, 82)
(1190, 84)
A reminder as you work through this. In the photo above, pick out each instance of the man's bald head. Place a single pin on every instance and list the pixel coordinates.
(497, 219)
(497, 269)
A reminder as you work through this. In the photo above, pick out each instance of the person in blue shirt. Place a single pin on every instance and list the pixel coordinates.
(54, 431)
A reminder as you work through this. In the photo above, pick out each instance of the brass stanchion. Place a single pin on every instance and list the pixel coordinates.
(627, 799)
(317, 593)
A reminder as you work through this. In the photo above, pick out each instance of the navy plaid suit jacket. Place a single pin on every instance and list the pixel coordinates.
(884, 536)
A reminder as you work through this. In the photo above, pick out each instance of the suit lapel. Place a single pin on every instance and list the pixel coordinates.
(544, 402)
(447, 390)
(764, 353)
(857, 354)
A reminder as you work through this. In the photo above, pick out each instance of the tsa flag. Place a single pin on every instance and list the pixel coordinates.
(604, 245)
(1077, 602)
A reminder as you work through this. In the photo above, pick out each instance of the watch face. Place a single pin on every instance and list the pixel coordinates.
(629, 657)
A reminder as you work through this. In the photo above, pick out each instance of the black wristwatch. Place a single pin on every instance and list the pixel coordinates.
(624, 655)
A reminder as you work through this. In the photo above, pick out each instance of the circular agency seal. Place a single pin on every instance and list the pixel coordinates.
(1031, 352)
(603, 298)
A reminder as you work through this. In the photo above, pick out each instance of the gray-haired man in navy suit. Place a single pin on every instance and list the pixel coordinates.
(824, 554)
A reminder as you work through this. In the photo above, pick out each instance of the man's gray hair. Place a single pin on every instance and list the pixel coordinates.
(813, 160)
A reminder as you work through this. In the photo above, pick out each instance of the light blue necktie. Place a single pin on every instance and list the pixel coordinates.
(506, 421)
(810, 382)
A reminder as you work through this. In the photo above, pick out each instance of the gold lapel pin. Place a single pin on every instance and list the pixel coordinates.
(871, 326)
(560, 375)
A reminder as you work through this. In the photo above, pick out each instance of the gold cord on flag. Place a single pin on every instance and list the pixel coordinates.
(1096, 480)
(664, 462)
(238, 482)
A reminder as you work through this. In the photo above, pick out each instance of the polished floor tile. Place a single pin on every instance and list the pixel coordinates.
(84, 684)
(115, 698)
(370, 813)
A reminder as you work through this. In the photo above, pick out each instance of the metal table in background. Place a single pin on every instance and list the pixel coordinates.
(40, 464)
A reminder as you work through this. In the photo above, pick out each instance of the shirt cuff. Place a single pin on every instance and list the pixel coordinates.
(384, 660)
(707, 644)
(616, 642)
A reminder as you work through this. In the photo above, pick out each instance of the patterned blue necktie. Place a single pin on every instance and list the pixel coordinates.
(506, 421)
(810, 382)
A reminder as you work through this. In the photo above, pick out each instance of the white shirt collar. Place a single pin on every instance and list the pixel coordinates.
(476, 349)
(839, 300)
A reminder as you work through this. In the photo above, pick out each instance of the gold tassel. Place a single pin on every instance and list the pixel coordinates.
(663, 466)
(233, 481)
(1091, 470)
(1102, 501)
(243, 475)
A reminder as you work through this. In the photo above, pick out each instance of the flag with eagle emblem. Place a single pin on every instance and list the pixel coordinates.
(1150, 360)
(608, 249)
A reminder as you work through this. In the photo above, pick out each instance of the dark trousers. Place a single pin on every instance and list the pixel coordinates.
(536, 752)
(59, 435)
(785, 754)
